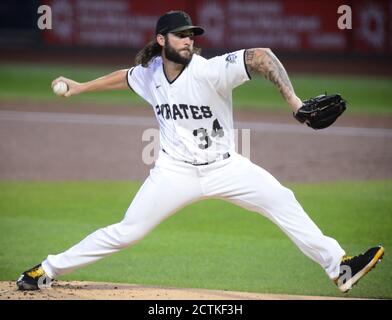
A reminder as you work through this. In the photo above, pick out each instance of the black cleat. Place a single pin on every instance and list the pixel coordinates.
(34, 279)
(354, 268)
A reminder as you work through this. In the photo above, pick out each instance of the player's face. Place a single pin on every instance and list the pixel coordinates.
(179, 47)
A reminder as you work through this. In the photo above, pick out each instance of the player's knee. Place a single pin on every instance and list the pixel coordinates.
(289, 194)
(282, 195)
(122, 235)
(130, 234)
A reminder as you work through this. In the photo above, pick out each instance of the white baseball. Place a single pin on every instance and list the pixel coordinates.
(60, 88)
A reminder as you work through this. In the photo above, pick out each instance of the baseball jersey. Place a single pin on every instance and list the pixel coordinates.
(194, 111)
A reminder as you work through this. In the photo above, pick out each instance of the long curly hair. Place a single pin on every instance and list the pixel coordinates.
(152, 50)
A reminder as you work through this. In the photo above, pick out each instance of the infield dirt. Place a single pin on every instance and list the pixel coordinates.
(80, 290)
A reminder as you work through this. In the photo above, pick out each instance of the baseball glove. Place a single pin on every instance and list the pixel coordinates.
(322, 111)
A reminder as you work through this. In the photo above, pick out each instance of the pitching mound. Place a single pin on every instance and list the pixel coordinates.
(70, 290)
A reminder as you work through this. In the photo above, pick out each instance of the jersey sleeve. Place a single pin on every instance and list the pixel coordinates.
(228, 71)
(138, 81)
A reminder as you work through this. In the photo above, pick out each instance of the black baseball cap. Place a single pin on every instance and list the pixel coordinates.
(176, 21)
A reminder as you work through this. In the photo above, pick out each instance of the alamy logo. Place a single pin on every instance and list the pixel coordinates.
(241, 137)
(45, 20)
(345, 20)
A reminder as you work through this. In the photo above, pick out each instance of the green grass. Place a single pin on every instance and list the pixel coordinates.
(366, 95)
(210, 244)
(33, 83)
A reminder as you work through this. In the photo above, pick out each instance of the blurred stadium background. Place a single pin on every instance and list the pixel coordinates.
(304, 33)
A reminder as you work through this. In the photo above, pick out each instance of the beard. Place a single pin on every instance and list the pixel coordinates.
(174, 56)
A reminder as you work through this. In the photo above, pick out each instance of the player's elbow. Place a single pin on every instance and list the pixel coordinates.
(256, 54)
(261, 51)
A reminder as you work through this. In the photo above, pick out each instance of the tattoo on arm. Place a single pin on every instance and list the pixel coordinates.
(264, 62)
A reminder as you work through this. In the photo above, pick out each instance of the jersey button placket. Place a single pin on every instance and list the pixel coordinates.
(171, 97)
(171, 101)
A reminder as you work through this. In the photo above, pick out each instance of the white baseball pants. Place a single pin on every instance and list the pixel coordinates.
(173, 184)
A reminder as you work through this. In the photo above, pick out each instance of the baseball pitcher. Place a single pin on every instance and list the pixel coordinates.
(192, 100)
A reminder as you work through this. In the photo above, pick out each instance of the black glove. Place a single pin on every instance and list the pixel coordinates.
(322, 111)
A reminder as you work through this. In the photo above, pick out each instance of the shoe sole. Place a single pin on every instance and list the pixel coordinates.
(353, 281)
(42, 283)
(23, 286)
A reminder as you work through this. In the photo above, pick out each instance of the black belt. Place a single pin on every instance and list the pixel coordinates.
(224, 156)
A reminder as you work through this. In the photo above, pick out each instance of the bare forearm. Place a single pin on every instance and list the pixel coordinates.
(263, 61)
(112, 81)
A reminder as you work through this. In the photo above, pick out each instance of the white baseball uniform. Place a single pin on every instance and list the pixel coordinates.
(197, 161)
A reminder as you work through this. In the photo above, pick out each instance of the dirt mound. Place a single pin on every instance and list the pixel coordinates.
(71, 290)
